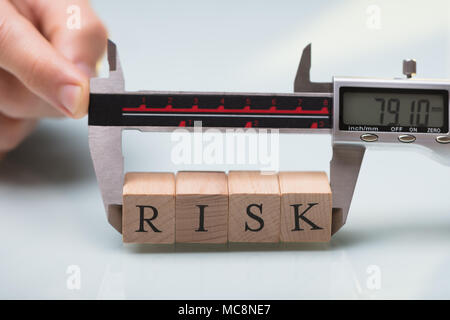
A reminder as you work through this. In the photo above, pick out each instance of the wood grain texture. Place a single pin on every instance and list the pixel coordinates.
(148, 214)
(201, 207)
(254, 201)
(306, 207)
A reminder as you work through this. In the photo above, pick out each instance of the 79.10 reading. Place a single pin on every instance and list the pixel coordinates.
(418, 112)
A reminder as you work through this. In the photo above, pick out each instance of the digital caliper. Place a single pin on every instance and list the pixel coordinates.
(357, 112)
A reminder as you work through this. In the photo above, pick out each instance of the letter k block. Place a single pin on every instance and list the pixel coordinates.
(305, 207)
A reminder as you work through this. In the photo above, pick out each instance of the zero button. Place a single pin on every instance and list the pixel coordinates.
(443, 139)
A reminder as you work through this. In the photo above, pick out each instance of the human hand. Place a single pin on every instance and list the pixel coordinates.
(44, 65)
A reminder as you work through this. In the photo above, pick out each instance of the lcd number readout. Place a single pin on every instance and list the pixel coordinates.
(395, 109)
(222, 311)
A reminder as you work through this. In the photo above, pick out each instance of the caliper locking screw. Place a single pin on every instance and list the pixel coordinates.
(409, 68)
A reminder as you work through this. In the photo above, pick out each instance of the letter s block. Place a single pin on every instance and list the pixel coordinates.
(254, 207)
(201, 207)
(148, 214)
(306, 207)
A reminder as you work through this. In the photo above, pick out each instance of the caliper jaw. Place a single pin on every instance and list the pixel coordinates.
(347, 158)
(302, 82)
(344, 171)
(105, 144)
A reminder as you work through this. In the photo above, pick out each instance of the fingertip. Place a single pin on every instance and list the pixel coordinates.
(74, 99)
(82, 104)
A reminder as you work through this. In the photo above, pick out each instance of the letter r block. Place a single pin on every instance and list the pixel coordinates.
(201, 207)
(306, 207)
(254, 200)
(148, 213)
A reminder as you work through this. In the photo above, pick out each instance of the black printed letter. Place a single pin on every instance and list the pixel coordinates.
(141, 219)
(201, 226)
(298, 216)
(252, 215)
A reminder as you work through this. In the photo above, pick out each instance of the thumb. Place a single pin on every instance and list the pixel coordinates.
(26, 54)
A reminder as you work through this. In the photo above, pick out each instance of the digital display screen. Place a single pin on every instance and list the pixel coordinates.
(393, 110)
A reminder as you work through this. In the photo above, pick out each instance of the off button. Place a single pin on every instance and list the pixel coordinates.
(369, 137)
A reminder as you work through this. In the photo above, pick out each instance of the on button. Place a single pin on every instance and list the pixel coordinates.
(407, 139)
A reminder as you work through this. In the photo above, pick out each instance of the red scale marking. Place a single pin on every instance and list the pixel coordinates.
(221, 109)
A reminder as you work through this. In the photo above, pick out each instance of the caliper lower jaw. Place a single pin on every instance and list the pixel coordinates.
(344, 171)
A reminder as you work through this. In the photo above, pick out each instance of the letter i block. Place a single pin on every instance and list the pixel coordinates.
(201, 207)
(148, 214)
(306, 207)
(254, 207)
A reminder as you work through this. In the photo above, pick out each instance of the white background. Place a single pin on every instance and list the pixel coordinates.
(51, 213)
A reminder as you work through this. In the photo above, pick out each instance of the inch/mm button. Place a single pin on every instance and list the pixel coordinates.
(369, 137)
(407, 139)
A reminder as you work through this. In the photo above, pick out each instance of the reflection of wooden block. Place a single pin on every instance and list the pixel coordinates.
(305, 207)
(201, 207)
(148, 208)
(254, 200)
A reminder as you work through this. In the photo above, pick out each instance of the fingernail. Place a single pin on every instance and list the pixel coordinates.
(86, 69)
(70, 97)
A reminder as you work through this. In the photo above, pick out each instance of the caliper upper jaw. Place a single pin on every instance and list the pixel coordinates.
(115, 82)
(302, 82)
(105, 144)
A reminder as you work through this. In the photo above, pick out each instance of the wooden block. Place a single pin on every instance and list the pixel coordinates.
(201, 207)
(306, 207)
(254, 200)
(148, 214)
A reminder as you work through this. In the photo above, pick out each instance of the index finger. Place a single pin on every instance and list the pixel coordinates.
(74, 29)
(26, 54)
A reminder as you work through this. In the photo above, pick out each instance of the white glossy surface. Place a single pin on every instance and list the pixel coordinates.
(51, 214)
